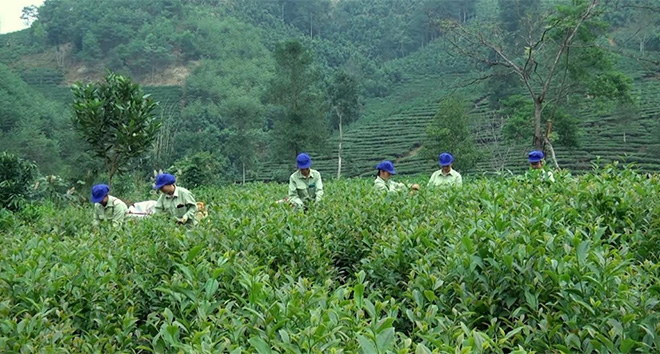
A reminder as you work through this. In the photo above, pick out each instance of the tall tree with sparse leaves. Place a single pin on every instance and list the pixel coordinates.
(116, 118)
(543, 65)
(344, 105)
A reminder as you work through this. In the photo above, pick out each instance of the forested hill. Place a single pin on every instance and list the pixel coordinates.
(224, 74)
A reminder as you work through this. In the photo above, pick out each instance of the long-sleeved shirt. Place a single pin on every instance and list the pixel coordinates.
(303, 189)
(542, 174)
(180, 205)
(438, 178)
(113, 211)
(389, 186)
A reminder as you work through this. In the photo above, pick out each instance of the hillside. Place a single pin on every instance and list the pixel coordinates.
(622, 136)
(396, 124)
(198, 58)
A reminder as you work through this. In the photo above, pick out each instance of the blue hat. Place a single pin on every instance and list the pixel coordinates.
(445, 159)
(164, 179)
(535, 156)
(303, 160)
(386, 166)
(99, 192)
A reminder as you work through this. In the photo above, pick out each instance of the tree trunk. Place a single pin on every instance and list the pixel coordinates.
(243, 173)
(538, 136)
(114, 167)
(111, 173)
(552, 152)
(339, 148)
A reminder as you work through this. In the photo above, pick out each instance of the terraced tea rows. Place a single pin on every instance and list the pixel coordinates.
(625, 136)
(397, 132)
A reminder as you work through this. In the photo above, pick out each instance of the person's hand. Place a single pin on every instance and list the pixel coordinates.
(182, 220)
(415, 187)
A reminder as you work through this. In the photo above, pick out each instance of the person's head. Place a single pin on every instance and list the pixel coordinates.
(446, 160)
(536, 159)
(165, 182)
(100, 194)
(385, 170)
(304, 162)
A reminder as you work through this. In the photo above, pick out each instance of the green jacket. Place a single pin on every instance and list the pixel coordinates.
(389, 186)
(303, 189)
(181, 205)
(114, 211)
(453, 178)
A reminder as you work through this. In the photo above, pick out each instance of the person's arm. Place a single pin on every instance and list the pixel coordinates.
(432, 180)
(119, 213)
(399, 186)
(319, 189)
(191, 208)
(380, 186)
(294, 198)
(97, 220)
(459, 181)
(158, 209)
(551, 176)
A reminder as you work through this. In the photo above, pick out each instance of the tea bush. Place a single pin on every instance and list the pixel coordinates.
(502, 265)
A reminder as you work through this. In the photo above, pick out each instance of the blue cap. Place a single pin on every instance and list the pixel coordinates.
(445, 159)
(99, 191)
(535, 156)
(303, 160)
(164, 179)
(386, 166)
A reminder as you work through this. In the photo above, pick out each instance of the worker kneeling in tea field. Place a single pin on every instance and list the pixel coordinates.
(536, 167)
(107, 207)
(175, 201)
(446, 176)
(305, 185)
(384, 183)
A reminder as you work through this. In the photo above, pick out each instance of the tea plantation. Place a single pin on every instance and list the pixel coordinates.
(502, 265)
(628, 135)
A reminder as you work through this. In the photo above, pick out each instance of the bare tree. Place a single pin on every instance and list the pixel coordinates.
(547, 43)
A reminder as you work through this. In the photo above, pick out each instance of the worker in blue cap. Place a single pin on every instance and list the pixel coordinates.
(305, 185)
(536, 164)
(175, 201)
(446, 175)
(384, 183)
(107, 207)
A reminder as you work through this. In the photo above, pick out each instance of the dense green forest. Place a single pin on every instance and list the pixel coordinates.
(243, 86)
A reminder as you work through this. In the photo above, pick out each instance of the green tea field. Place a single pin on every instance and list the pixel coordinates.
(501, 265)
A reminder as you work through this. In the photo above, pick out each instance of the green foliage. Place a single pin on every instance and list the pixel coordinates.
(116, 119)
(344, 99)
(451, 131)
(57, 190)
(135, 35)
(515, 16)
(40, 76)
(16, 181)
(397, 51)
(201, 169)
(518, 268)
(299, 124)
(244, 133)
(30, 125)
(518, 126)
